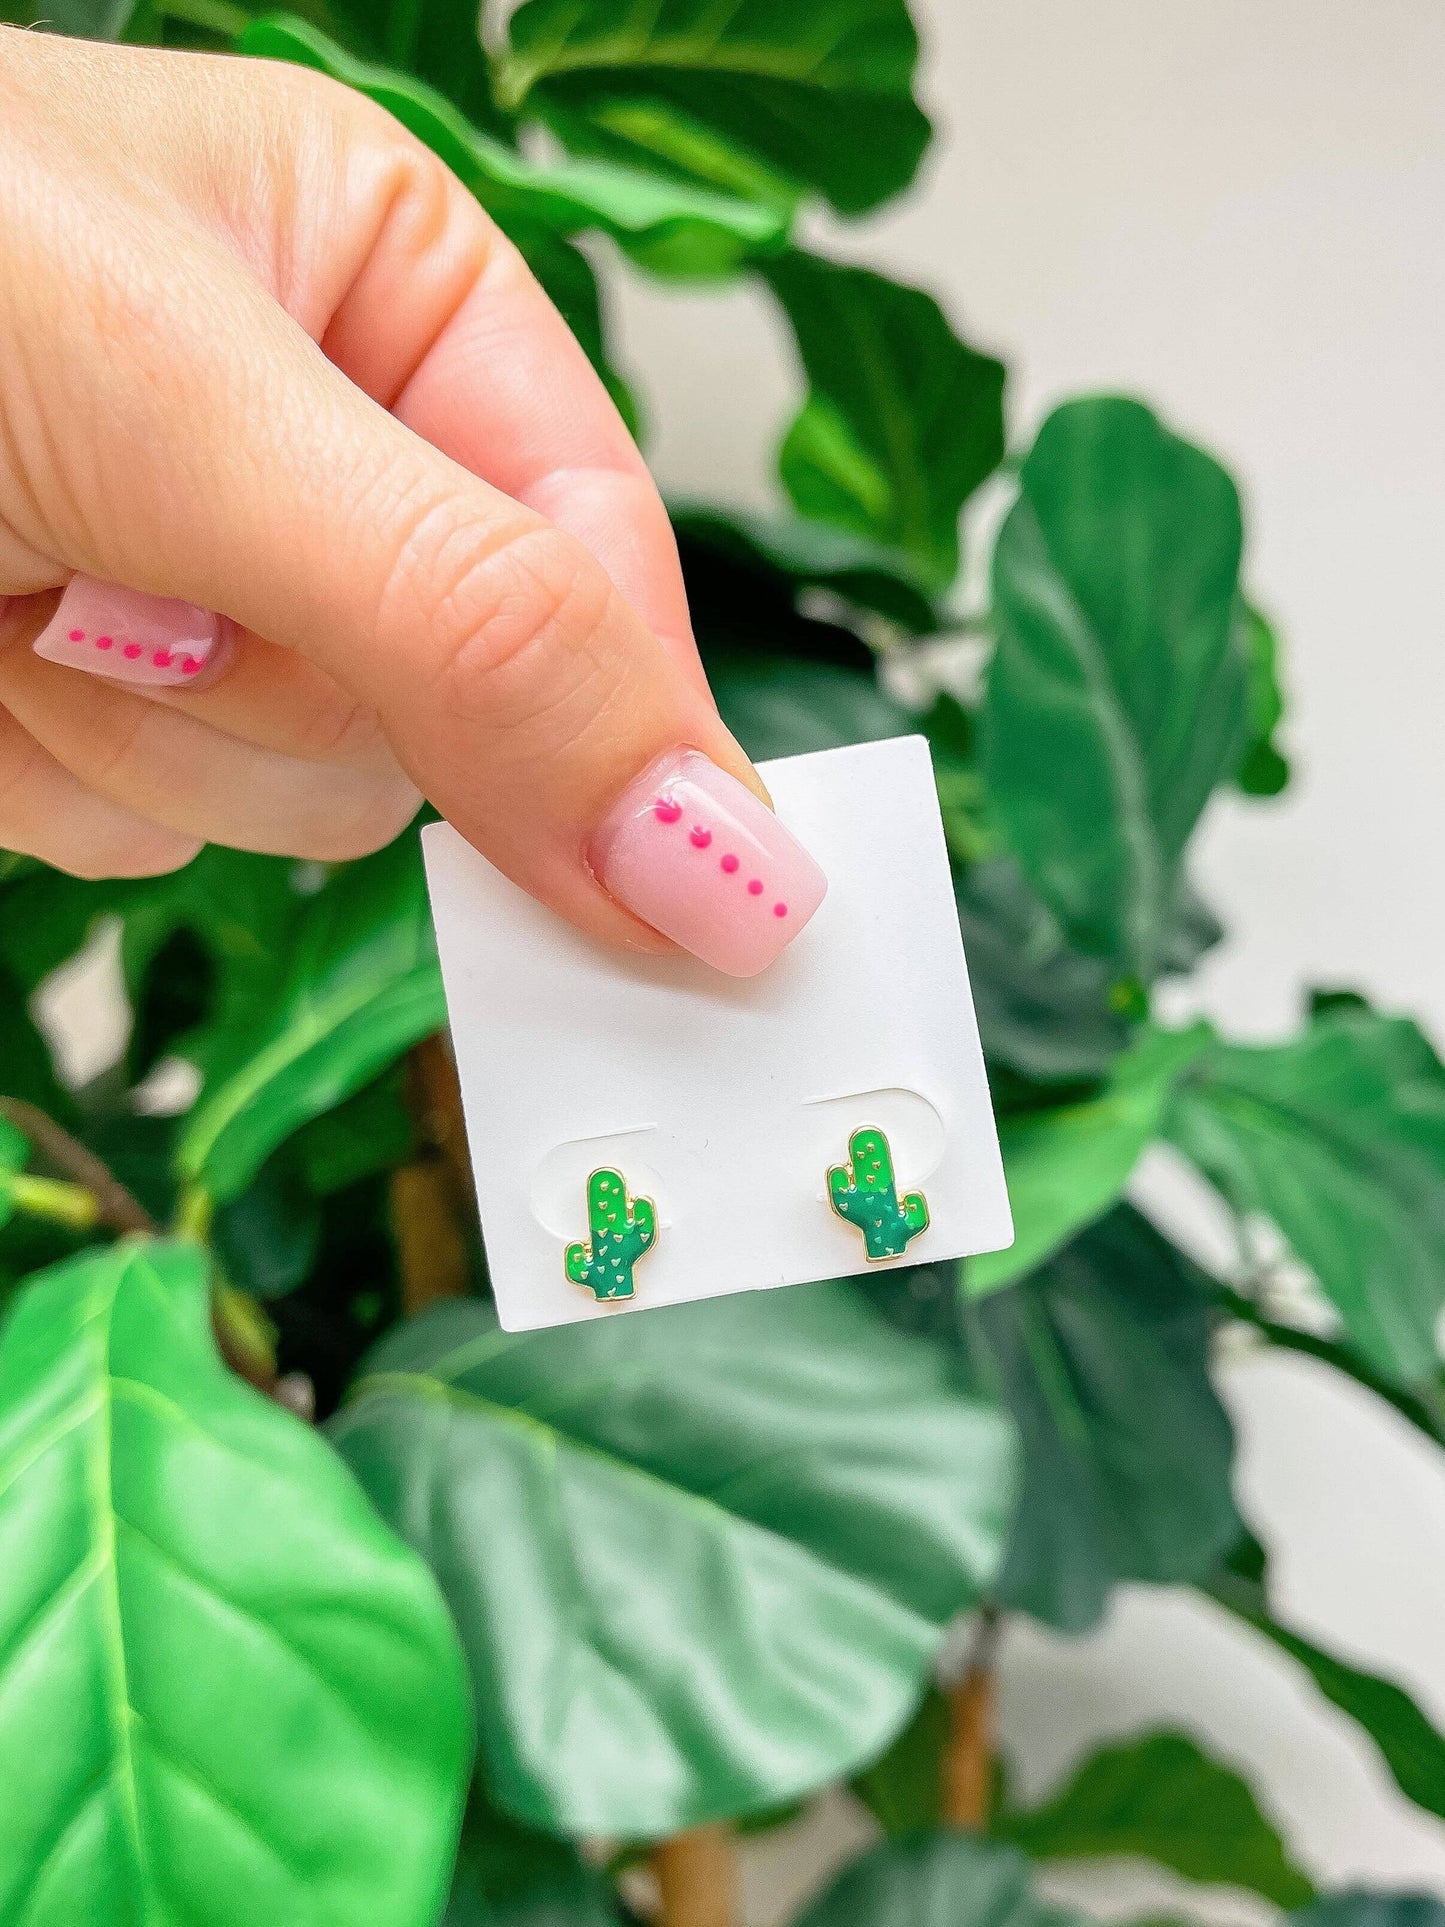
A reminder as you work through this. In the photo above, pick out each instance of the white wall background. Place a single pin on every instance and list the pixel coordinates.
(1235, 208)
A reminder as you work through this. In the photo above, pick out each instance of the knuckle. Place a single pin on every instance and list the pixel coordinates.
(376, 820)
(340, 731)
(527, 625)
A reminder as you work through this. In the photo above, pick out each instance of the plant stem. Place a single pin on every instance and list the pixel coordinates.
(115, 1208)
(697, 1879)
(68, 1204)
(966, 1792)
(431, 1197)
(431, 1253)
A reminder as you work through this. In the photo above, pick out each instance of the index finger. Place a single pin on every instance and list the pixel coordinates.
(445, 324)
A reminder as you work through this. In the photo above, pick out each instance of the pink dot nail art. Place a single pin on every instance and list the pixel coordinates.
(704, 907)
(162, 658)
(77, 635)
(191, 665)
(105, 642)
(131, 651)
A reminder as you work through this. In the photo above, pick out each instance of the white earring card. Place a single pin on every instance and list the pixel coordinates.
(724, 1101)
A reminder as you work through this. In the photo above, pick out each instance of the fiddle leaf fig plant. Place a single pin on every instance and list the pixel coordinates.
(323, 1599)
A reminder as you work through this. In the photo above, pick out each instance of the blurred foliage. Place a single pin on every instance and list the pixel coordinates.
(699, 1565)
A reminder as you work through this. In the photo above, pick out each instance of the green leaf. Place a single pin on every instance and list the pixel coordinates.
(1102, 1357)
(435, 40)
(227, 1690)
(81, 19)
(1068, 1163)
(808, 555)
(27, 1070)
(13, 866)
(370, 1132)
(903, 1788)
(903, 420)
(937, 1880)
(1262, 771)
(1357, 1907)
(1339, 1137)
(1116, 696)
(777, 706)
(756, 93)
(701, 1560)
(1044, 1009)
(669, 228)
(1161, 1798)
(511, 1876)
(267, 1239)
(1412, 1749)
(14, 1153)
(359, 986)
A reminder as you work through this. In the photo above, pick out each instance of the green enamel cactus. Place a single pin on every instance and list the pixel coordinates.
(622, 1229)
(863, 1192)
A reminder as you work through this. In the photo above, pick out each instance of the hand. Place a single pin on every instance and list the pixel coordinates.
(261, 355)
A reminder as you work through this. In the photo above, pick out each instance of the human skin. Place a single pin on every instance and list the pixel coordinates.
(263, 357)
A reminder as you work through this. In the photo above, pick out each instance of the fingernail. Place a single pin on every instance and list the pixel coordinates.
(694, 853)
(130, 637)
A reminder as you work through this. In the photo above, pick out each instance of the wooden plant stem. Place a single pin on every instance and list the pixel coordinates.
(431, 1253)
(697, 1879)
(431, 1198)
(967, 1779)
(116, 1209)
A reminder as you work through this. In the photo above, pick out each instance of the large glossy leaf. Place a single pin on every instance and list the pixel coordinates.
(1067, 1163)
(776, 95)
(512, 1876)
(801, 554)
(1262, 770)
(359, 984)
(436, 40)
(1358, 1907)
(701, 1557)
(1162, 1799)
(903, 420)
(1116, 696)
(1044, 1009)
(669, 227)
(228, 1693)
(780, 706)
(1411, 1747)
(937, 1880)
(1102, 1357)
(1339, 1137)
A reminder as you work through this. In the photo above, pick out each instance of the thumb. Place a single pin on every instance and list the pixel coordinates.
(242, 471)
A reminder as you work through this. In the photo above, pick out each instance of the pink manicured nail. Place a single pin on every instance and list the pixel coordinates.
(130, 637)
(692, 852)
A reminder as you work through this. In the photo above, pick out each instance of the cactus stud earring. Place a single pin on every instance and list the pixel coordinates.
(864, 1194)
(622, 1230)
